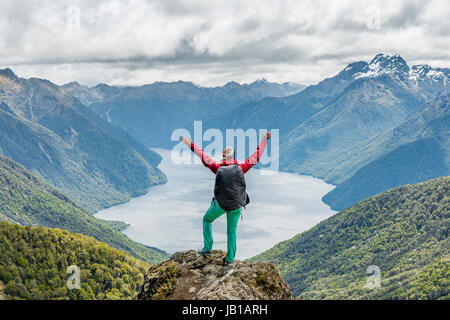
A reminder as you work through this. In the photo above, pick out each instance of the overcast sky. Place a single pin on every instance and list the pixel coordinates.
(212, 42)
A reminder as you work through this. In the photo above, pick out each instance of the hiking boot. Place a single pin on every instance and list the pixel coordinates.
(227, 264)
(205, 253)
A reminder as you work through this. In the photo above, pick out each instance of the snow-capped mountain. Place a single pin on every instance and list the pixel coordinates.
(394, 65)
(421, 78)
(397, 67)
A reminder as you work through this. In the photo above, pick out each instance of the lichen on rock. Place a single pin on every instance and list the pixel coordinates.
(188, 275)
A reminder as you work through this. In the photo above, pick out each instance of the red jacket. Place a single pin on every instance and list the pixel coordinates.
(245, 166)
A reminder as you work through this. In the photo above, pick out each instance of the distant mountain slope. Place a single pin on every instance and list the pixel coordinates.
(150, 113)
(402, 231)
(367, 108)
(267, 113)
(89, 95)
(26, 200)
(34, 263)
(91, 160)
(420, 151)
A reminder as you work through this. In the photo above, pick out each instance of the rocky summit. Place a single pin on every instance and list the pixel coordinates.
(190, 276)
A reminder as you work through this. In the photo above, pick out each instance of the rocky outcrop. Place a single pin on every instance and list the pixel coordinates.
(190, 276)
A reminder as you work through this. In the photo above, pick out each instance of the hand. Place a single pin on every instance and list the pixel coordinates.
(186, 141)
(267, 136)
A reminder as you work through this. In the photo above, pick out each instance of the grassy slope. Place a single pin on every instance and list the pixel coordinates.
(27, 200)
(403, 231)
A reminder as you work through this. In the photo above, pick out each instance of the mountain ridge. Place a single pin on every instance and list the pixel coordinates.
(149, 113)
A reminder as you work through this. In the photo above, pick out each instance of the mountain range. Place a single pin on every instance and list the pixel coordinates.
(342, 124)
(150, 113)
(337, 129)
(334, 130)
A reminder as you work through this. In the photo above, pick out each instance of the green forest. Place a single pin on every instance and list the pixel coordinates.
(27, 200)
(402, 231)
(34, 262)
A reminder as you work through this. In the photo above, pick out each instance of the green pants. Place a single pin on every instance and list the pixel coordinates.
(212, 214)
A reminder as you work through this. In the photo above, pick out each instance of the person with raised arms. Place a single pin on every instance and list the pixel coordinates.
(229, 193)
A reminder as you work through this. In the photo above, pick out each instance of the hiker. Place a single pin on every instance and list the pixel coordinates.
(229, 193)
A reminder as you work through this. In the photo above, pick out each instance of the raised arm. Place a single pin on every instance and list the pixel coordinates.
(206, 159)
(254, 158)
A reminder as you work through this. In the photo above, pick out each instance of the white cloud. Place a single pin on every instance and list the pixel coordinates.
(212, 42)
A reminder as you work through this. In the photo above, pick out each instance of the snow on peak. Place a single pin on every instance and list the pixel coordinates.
(397, 68)
(424, 71)
(382, 63)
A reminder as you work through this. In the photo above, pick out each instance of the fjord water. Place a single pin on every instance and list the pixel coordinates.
(169, 216)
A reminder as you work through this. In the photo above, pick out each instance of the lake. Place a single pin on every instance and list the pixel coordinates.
(169, 216)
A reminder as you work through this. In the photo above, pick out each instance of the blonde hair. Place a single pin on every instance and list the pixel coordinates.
(228, 153)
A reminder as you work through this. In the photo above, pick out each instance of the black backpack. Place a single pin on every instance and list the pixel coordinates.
(229, 189)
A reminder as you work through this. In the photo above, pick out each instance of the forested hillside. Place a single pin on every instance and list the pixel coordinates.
(27, 200)
(403, 232)
(34, 262)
